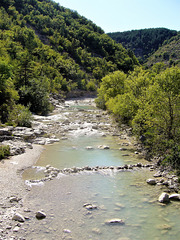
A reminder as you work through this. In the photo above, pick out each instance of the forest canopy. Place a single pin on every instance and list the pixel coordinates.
(143, 42)
(46, 48)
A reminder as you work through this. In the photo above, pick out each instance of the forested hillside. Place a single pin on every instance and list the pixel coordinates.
(143, 42)
(169, 53)
(46, 48)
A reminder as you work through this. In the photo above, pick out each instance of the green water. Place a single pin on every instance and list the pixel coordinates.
(123, 195)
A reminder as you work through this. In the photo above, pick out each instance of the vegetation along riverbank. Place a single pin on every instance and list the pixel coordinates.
(49, 54)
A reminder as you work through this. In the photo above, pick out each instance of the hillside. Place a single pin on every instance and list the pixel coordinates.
(46, 48)
(169, 53)
(143, 42)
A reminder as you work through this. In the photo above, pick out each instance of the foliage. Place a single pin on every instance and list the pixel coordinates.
(143, 42)
(111, 86)
(173, 157)
(46, 48)
(4, 152)
(20, 116)
(169, 53)
(149, 101)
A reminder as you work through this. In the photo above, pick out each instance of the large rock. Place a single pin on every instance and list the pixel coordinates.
(45, 141)
(18, 217)
(164, 198)
(115, 221)
(6, 131)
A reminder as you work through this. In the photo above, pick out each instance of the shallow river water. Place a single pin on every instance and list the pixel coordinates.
(123, 195)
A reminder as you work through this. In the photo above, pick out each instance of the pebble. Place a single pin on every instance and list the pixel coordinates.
(151, 181)
(67, 231)
(18, 217)
(40, 215)
(16, 229)
(115, 221)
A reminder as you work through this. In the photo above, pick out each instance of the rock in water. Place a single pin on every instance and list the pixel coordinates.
(90, 206)
(151, 181)
(115, 221)
(40, 215)
(18, 217)
(164, 198)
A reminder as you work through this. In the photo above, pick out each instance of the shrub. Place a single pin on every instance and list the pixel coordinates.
(4, 152)
(20, 116)
(173, 157)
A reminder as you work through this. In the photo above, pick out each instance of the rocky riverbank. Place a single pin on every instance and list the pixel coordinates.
(70, 118)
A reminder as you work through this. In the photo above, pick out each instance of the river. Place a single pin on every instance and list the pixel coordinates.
(115, 194)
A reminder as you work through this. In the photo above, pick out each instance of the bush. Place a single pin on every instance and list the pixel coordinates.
(35, 95)
(91, 86)
(20, 116)
(173, 157)
(4, 152)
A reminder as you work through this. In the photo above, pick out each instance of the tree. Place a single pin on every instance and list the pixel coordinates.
(8, 94)
(111, 86)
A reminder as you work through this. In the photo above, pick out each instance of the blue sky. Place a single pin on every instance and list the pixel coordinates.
(123, 15)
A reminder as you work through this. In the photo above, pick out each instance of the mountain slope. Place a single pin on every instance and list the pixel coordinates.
(169, 53)
(143, 42)
(46, 48)
(71, 34)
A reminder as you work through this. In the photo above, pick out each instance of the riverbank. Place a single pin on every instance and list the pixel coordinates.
(13, 188)
(44, 131)
(61, 125)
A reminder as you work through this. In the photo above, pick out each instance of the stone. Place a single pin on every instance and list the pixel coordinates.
(119, 205)
(40, 141)
(6, 131)
(89, 148)
(16, 229)
(96, 231)
(66, 122)
(139, 164)
(164, 198)
(52, 140)
(151, 181)
(90, 206)
(64, 138)
(18, 217)
(164, 227)
(175, 197)
(158, 174)
(103, 147)
(67, 231)
(123, 149)
(14, 199)
(115, 221)
(40, 215)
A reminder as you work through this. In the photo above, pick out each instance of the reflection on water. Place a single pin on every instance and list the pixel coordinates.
(123, 195)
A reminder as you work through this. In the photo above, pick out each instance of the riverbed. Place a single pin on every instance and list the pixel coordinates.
(83, 130)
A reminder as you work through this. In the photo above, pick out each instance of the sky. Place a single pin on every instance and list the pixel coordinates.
(124, 15)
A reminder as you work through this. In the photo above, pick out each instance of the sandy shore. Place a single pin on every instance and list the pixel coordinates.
(12, 185)
(11, 182)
